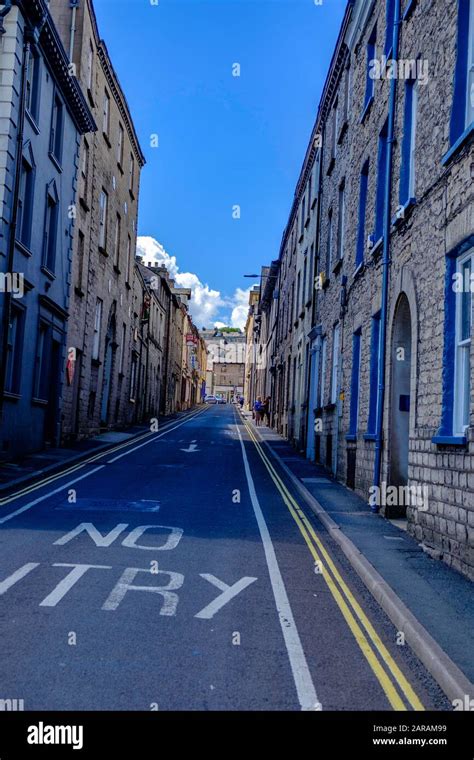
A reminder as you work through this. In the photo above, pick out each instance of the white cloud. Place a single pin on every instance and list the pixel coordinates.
(205, 304)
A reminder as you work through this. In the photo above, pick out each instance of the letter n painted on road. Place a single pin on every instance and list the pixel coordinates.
(170, 599)
(93, 533)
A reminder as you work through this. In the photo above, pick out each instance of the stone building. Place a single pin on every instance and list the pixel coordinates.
(226, 351)
(98, 393)
(386, 362)
(43, 114)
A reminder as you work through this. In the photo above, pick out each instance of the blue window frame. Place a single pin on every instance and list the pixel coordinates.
(374, 376)
(407, 172)
(462, 112)
(364, 184)
(381, 177)
(457, 350)
(370, 81)
(355, 383)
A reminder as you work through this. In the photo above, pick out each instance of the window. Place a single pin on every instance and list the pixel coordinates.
(132, 174)
(90, 67)
(32, 85)
(14, 350)
(57, 124)
(335, 128)
(106, 114)
(103, 207)
(364, 184)
(381, 177)
(310, 180)
(407, 173)
(305, 275)
(85, 168)
(97, 327)
(335, 363)
(117, 242)
(311, 273)
(133, 377)
(341, 222)
(462, 112)
(122, 348)
(298, 295)
(120, 143)
(390, 18)
(462, 369)
(25, 200)
(41, 362)
(370, 81)
(80, 258)
(347, 92)
(374, 374)
(303, 214)
(355, 383)
(322, 383)
(329, 244)
(129, 253)
(51, 227)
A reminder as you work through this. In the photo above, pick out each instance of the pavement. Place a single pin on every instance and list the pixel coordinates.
(184, 571)
(414, 589)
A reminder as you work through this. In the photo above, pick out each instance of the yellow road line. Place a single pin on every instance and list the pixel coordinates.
(51, 478)
(313, 541)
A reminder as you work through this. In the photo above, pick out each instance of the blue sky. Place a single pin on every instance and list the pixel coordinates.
(223, 140)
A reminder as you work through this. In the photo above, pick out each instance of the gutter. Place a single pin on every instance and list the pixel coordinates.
(386, 257)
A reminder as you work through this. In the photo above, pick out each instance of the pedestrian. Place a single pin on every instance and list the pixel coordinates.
(266, 410)
(241, 402)
(257, 408)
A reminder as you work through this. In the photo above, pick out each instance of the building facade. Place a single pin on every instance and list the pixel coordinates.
(382, 356)
(100, 335)
(43, 114)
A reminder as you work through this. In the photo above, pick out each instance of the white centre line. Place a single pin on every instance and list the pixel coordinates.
(301, 674)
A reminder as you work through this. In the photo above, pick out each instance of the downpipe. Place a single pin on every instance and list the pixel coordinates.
(386, 260)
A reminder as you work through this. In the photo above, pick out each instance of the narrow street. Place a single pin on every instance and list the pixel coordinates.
(181, 572)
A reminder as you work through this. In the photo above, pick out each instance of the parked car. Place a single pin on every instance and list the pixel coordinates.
(210, 400)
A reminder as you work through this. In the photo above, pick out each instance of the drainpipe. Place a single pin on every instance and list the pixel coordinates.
(74, 5)
(386, 256)
(16, 191)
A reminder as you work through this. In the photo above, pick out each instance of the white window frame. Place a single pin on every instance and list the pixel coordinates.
(90, 66)
(461, 414)
(414, 116)
(103, 210)
(106, 114)
(120, 144)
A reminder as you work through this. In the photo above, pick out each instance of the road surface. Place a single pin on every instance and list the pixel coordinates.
(181, 572)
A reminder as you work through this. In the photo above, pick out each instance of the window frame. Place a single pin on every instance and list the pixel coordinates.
(461, 409)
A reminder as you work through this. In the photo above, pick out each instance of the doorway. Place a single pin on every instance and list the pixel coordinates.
(400, 401)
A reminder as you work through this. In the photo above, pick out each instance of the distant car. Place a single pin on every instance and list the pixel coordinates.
(210, 400)
(221, 400)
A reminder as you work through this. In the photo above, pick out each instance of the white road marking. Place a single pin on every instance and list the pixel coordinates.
(170, 599)
(68, 582)
(301, 675)
(50, 493)
(192, 447)
(228, 593)
(91, 472)
(93, 533)
(17, 576)
(171, 542)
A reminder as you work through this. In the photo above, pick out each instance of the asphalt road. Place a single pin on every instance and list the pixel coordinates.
(180, 572)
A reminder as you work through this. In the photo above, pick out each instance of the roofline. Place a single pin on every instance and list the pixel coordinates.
(115, 86)
(36, 14)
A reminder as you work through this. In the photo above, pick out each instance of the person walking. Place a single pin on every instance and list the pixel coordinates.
(266, 410)
(257, 408)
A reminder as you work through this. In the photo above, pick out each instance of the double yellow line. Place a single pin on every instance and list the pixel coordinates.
(52, 478)
(396, 687)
